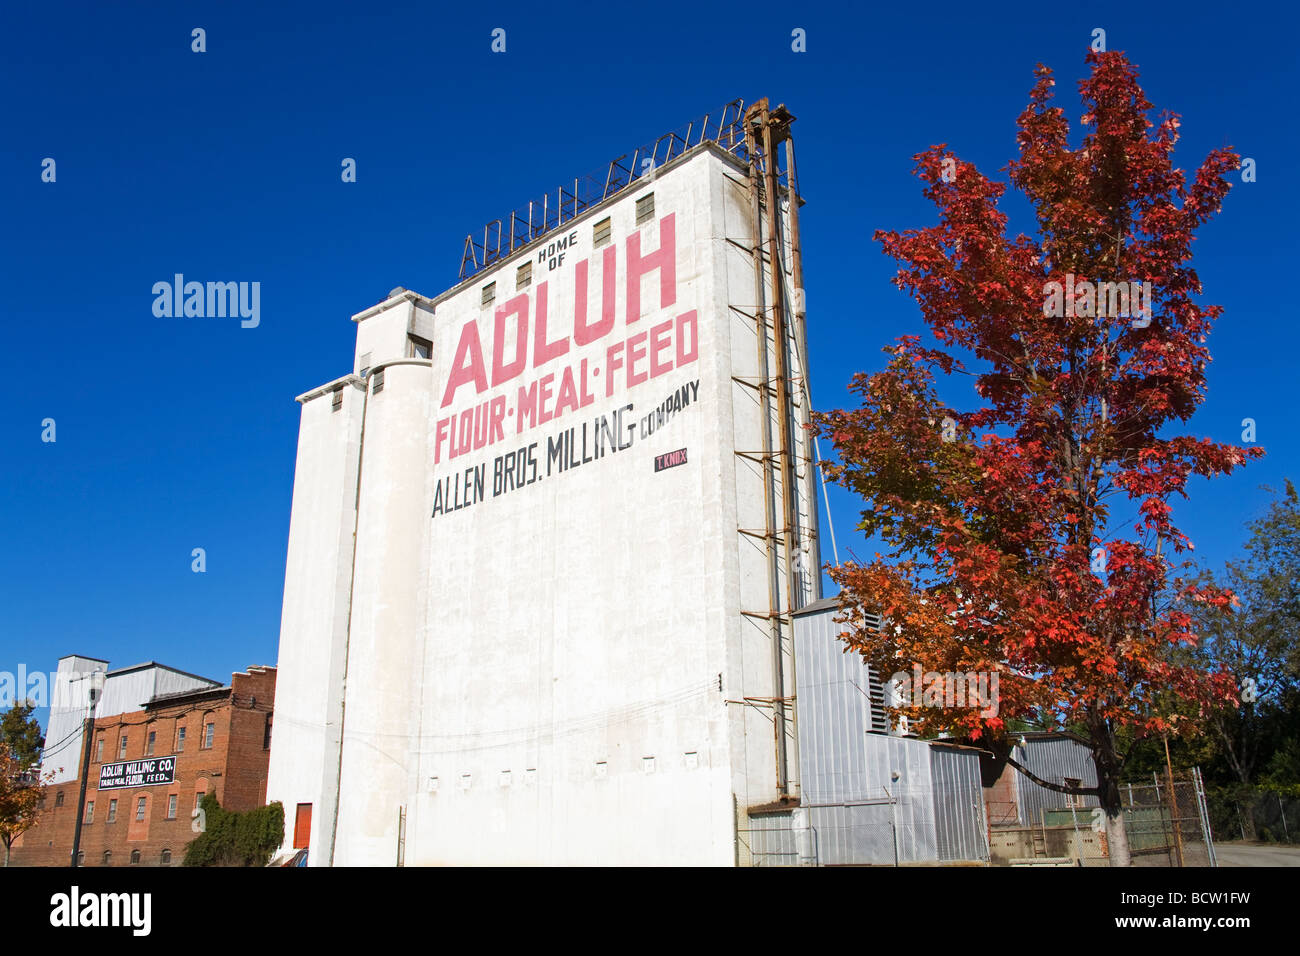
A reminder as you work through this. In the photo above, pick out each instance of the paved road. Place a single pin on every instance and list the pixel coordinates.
(1249, 854)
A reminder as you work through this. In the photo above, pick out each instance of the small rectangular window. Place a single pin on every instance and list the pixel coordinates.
(378, 379)
(148, 747)
(336, 402)
(645, 209)
(58, 799)
(171, 806)
(139, 808)
(524, 276)
(180, 739)
(112, 811)
(121, 750)
(208, 732)
(419, 348)
(99, 750)
(489, 293)
(90, 811)
(600, 233)
(266, 734)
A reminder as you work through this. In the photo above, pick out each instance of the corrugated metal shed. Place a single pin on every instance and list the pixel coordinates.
(869, 795)
(1053, 757)
(960, 825)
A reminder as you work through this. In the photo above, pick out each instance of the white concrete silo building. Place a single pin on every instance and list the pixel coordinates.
(542, 560)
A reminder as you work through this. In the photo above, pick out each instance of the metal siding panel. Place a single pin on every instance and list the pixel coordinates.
(958, 803)
(834, 713)
(842, 764)
(172, 682)
(1053, 759)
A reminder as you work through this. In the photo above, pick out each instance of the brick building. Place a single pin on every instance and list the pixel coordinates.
(200, 736)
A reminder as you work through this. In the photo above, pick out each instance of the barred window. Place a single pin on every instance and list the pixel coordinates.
(645, 209)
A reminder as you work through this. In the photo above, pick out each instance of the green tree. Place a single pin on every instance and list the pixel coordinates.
(236, 839)
(21, 794)
(21, 733)
(1258, 642)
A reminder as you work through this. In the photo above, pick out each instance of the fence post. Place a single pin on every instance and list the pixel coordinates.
(893, 824)
(1282, 809)
(1203, 813)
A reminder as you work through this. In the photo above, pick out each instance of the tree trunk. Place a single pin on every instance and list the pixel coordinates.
(1117, 840)
(7, 847)
(1108, 763)
(1246, 810)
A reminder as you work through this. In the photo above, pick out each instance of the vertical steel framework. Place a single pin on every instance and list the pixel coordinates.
(765, 131)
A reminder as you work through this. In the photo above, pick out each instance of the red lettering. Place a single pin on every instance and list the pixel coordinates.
(442, 434)
(633, 353)
(583, 333)
(546, 351)
(658, 343)
(466, 432)
(501, 372)
(468, 364)
(543, 397)
(683, 356)
(480, 426)
(587, 396)
(613, 361)
(498, 416)
(527, 402)
(664, 259)
(568, 394)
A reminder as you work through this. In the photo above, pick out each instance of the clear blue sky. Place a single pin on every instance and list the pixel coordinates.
(174, 434)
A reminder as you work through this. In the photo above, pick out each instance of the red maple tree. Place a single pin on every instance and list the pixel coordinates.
(1012, 550)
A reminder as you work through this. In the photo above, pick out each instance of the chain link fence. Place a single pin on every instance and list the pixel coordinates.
(1254, 814)
(1165, 826)
(1168, 825)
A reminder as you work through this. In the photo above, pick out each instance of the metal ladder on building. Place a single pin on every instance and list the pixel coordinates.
(765, 130)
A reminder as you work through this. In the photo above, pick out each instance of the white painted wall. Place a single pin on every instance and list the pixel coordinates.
(314, 620)
(568, 661)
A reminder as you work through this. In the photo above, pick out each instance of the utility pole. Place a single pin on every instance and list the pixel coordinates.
(1173, 804)
(87, 731)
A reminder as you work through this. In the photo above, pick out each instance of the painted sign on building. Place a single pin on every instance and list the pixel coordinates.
(150, 772)
(535, 555)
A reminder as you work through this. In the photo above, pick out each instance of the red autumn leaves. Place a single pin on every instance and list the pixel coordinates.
(1037, 544)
